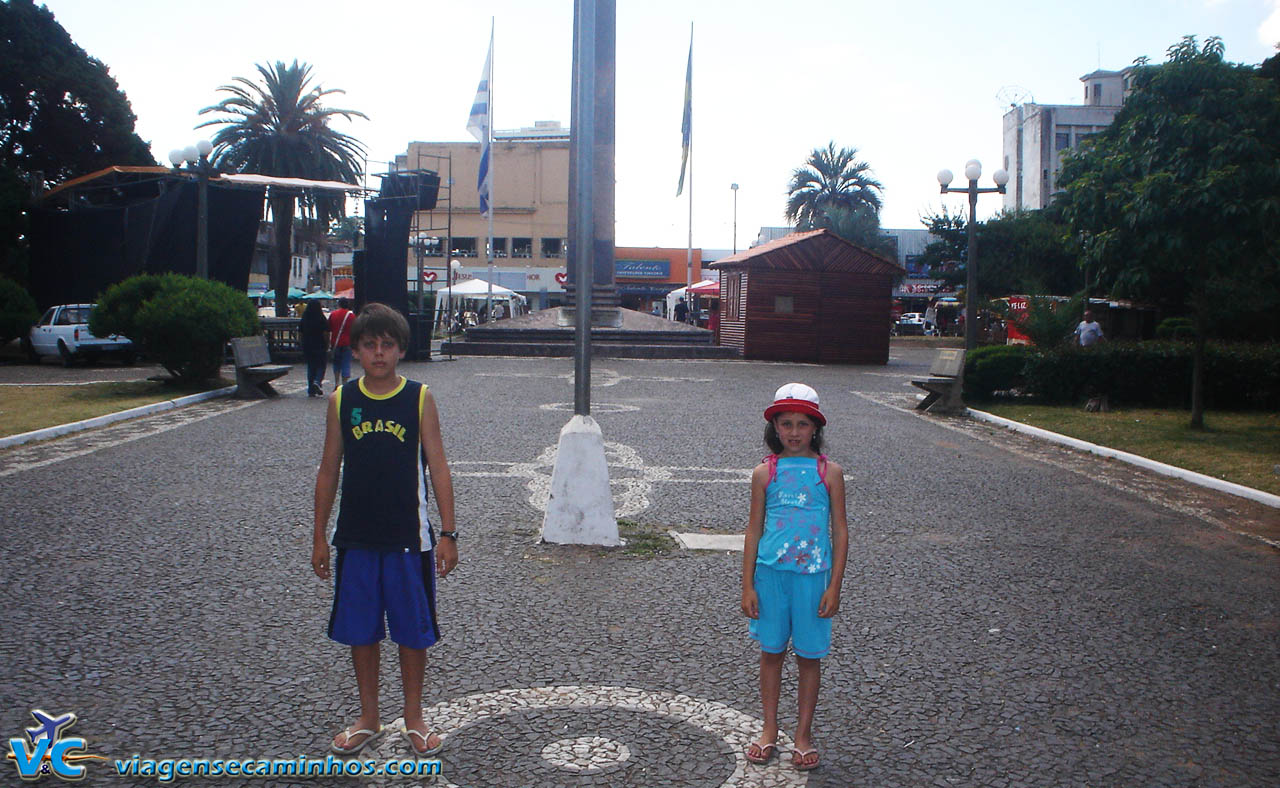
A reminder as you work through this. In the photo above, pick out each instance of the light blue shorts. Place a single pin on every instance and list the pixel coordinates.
(789, 612)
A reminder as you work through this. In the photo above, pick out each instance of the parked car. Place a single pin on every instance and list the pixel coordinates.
(63, 331)
(911, 323)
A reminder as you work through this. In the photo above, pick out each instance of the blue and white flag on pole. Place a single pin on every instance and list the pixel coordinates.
(686, 124)
(479, 124)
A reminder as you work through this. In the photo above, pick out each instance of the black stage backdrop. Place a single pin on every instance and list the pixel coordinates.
(76, 254)
(380, 272)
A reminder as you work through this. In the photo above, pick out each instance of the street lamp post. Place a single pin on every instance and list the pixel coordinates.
(196, 158)
(972, 171)
(734, 186)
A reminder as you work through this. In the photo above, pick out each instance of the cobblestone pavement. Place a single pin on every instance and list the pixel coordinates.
(1013, 615)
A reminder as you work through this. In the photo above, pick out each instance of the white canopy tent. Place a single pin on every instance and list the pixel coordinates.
(470, 295)
(674, 295)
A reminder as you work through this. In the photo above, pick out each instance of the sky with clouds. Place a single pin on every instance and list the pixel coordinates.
(913, 85)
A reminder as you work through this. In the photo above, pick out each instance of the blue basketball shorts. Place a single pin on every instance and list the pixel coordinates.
(789, 612)
(370, 586)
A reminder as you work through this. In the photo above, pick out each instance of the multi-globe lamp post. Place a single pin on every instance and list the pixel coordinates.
(196, 157)
(972, 171)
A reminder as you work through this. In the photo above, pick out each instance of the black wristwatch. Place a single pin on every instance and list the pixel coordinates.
(450, 534)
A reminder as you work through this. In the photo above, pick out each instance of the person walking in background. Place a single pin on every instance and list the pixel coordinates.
(1089, 330)
(931, 319)
(340, 340)
(681, 310)
(315, 343)
(793, 562)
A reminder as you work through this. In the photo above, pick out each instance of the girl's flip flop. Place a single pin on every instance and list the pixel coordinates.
(764, 752)
(409, 733)
(800, 759)
(354, 749)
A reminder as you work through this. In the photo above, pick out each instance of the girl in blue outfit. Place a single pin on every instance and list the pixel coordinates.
(793, 564)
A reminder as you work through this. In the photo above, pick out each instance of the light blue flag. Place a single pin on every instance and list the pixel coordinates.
(686, 124)
(479, 125)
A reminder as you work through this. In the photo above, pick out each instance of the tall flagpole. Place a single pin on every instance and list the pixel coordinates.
(687, 162)
(688, 252)
(480, 124)
(492, 178)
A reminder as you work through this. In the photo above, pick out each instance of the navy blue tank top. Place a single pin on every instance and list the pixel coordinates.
(384, 469)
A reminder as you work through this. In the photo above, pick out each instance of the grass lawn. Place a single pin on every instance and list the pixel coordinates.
(1240, 447)
(27, 408)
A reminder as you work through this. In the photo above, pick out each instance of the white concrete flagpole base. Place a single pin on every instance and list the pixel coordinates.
(580, 510)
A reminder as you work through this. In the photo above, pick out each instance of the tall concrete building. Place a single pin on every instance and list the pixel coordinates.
(530, 198)
(1035, 136)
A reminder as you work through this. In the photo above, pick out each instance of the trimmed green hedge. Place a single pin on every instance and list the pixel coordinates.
(180, 321)
(118, 305)
(1179, 328)
(1147, 374)
(994, 368)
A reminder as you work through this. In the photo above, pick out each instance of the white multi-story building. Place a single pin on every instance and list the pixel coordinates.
(1035, 135)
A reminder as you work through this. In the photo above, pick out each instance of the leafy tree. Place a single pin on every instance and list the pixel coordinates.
(944, 257)
(831, 179)
(1027, 252)
(1270, 68)
(14, 197)
(281, 127)
(860, 226)
(1183, 190)
(348, 229)
(62, 115)
(1018, 252)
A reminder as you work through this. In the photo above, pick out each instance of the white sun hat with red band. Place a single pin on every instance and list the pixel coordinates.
(795, 398)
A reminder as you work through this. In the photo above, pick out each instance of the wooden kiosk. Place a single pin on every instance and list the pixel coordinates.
(811, 297)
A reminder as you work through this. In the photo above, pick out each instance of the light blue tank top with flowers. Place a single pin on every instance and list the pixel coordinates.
(797, 519)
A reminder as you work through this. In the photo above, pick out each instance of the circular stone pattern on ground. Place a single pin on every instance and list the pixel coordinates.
(659, 750)
(624, 736)
(586, 754)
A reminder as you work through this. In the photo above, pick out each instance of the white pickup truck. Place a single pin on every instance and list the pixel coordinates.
(63, 331)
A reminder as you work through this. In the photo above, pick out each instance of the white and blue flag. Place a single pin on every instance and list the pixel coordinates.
(479, 124)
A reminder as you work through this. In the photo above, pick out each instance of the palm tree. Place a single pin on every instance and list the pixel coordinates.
(831, 180)
(280, 127)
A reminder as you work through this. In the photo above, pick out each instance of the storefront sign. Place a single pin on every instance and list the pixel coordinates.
(919, 287)
(642, 269)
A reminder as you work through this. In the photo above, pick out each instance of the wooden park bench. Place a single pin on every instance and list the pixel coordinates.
(945, 384)
(254, 370)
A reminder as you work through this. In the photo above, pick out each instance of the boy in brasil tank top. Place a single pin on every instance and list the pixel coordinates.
(383, 433)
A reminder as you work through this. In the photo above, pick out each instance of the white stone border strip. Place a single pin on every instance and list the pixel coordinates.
(111, 418)
(1201, 479)
(733, 543)
(734, 727)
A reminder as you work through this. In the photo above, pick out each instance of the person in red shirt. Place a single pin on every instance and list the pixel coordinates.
(340, 321)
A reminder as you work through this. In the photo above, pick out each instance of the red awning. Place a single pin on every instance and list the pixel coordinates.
(711, 289)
